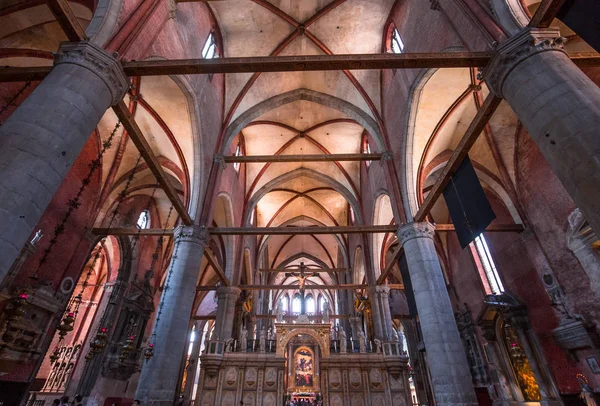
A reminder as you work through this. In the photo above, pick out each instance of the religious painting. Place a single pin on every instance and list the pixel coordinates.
(304, 366)
(520, 363)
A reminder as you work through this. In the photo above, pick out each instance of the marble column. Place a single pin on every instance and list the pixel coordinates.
(226, 299)
(558, 105)
(42, 138)
(158, 381)
(377, 312)
(382, 293)
(448, 366)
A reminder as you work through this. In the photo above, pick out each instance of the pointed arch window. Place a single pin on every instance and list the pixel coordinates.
(366, 149)
(396, 42)
(283, 303)
(210, 50)
(143, 220)
(296, 304)
(487, 267)
(238, 152)
(310, 304)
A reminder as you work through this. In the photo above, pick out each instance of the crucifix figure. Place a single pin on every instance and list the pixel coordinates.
(302, 277)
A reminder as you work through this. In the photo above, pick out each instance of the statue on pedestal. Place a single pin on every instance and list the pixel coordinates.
(263, 340)
(377, 345)
(279, 314)
(244, 339)
(362, 344)
(343, 340)
(326, 313)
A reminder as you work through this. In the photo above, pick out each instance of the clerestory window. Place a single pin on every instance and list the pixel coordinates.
(487, 267)
(396, 43)
(210, 48)
(143, 220)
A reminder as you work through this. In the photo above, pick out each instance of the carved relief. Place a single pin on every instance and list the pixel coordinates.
(375, 377)
(269, 400)
(396, 383)
(377, 399)
(228, 399)
(355, 378)
(271, 377)
(336, 400)
(210, 381)
(209, 398)
(335, 378)
(249, 399)
(251, 376)
(357, 399)
(398, 399)
(231, 376)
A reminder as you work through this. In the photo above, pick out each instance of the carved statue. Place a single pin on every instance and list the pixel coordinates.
(244, 339)
(395, 337)
(377, 345)
(362, 342)
(36, 238)
(263, 340)
(301, 277)
(401, 341)
(343, 340)
(270, 335)
(326, 313)
(279, 314)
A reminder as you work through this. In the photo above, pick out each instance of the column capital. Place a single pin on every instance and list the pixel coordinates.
(528, 42)
(232, 291)
(415, 230)
(92, 57)
(193, 234)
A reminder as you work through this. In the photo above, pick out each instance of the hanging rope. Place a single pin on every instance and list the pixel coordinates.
(74, 203)
(149, 351)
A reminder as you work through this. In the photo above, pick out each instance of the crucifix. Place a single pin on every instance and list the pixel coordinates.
(302, 277)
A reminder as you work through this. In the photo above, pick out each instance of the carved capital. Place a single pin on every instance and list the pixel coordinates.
(528, 42)
(228, 291)
(193, 234)
(97, 60)
(415, 230)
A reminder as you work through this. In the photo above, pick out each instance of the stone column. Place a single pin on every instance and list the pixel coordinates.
(158, 381)
(558, 105)
(377, 312)
(448, 366)
(42, 138)
(227, 298)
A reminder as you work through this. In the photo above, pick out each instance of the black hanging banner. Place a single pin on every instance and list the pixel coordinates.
(583, 17)
(469, 208)
(408, 291)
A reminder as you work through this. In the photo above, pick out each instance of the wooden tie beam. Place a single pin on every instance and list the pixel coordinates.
(295, 287)
(295, 230)
(477, 125)
(67, 20)
(216, 267)
(546, 13)
(300, 230)
(307, 270)
(302, 158)
(293, 64)
(136, 135)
